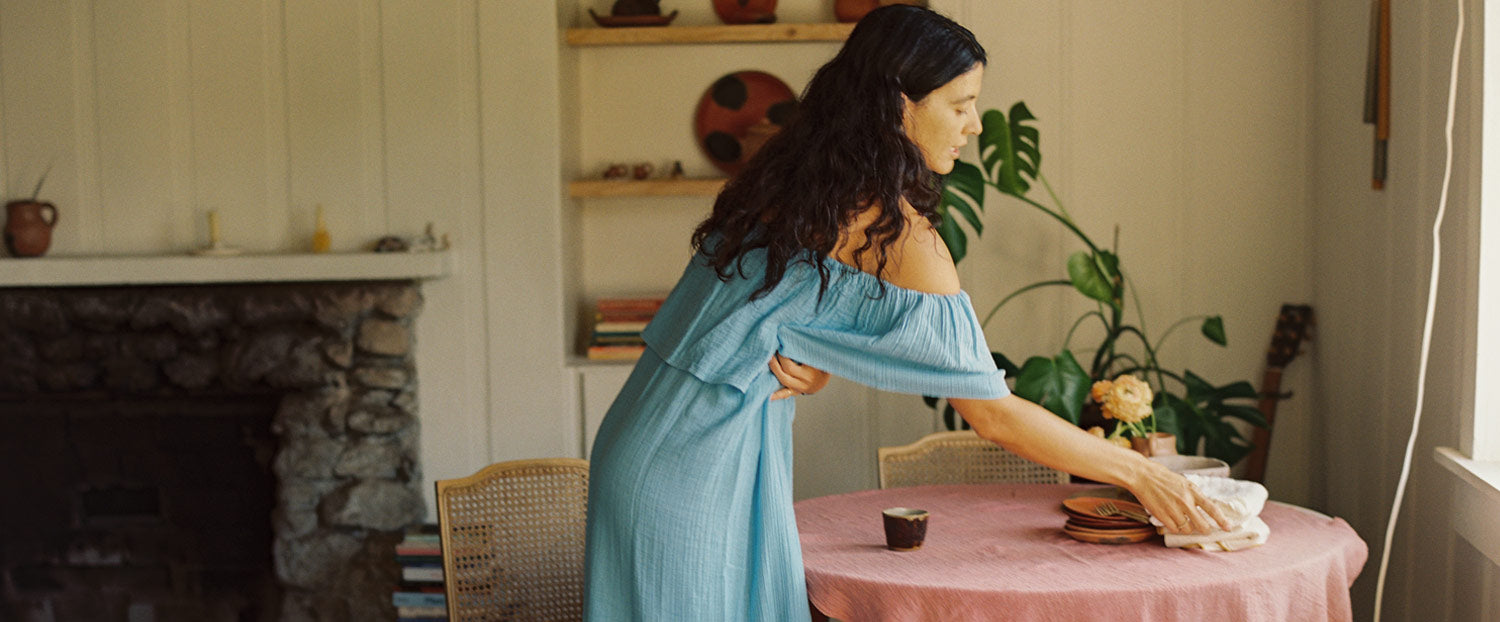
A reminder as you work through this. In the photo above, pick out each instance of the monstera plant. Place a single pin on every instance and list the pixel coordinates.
(1184, 403)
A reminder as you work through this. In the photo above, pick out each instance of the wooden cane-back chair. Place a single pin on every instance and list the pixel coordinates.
(512, 537)
(959, 458)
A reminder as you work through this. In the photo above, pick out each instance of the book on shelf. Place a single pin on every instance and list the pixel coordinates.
(417, 549)
(645, 305)
(620, 327)
(616, 352)
(611, 339)
(421, 612)
(618, 322)
(418, 587)
(418, 574)
(623, 316)
(433, 559)
(419, 599)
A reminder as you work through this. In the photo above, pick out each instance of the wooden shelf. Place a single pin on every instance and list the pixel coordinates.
(745, 33)
(604, 188)
(249, 268)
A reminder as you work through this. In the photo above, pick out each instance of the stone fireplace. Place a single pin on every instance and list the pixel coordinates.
(206, 451)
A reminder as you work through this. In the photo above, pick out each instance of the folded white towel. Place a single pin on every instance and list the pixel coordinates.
(1254, 532)
(1240, 500)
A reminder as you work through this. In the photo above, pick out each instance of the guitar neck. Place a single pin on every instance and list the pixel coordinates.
(1270, 394)
(1270, 390)
(1293, 325)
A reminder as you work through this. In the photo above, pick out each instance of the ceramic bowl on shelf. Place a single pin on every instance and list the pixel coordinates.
(618, 21)
(1197, 465)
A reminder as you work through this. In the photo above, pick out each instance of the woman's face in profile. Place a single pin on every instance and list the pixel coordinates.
(941, 122)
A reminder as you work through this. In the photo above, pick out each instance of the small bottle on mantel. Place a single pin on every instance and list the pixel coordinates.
(321, 240)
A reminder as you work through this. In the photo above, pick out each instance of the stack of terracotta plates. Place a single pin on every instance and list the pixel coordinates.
(1087, 524)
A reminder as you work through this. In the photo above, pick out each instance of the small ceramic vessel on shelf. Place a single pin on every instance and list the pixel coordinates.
(746, 11)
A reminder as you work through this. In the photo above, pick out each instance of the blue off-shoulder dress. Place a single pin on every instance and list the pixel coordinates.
(690, 479)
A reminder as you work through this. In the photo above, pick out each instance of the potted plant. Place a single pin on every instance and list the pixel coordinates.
(1184, 403)
(28, 223)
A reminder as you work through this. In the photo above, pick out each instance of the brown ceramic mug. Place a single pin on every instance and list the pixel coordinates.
(905, 528)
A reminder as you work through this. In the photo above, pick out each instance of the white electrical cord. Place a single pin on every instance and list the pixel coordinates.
(1416, 420)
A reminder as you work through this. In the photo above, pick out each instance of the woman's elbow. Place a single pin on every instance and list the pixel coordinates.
(990, 419)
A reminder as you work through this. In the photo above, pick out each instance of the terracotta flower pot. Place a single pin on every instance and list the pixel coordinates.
(28, 227)
(1156, 444)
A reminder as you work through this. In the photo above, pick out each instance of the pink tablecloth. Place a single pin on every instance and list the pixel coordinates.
(997, 552)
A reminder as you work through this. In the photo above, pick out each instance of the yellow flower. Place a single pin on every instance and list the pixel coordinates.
(1127, 399)
(1099, 390)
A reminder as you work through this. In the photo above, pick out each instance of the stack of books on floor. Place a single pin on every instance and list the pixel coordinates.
(618, 323)
(419, 597)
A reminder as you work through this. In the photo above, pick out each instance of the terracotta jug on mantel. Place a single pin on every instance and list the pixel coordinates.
(28, 227)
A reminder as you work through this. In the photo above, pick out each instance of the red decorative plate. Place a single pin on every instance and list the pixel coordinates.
(734, 103)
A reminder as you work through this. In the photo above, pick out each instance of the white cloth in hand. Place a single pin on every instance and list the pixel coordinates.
(1239, 500)
(1254, 532)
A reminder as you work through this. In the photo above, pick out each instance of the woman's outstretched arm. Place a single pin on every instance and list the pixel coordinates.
(1040, 436)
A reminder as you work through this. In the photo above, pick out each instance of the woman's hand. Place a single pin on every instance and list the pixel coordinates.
(796, 378)
(1174, 501)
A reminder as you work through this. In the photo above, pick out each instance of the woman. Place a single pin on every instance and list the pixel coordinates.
(822, 249)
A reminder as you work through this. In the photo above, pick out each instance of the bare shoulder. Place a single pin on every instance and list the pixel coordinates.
(918, 259)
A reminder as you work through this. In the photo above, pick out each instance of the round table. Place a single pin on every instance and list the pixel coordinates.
(997, 551)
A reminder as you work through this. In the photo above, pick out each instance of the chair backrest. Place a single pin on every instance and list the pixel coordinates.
(512, 537)
(959, 458)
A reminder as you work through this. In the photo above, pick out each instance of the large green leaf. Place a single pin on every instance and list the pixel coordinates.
(1224, 442)
(1188, 421)
(1165, 416)
(1084, 272)
(963, 195)
(994, 143)
(1204, 416)
(1198, 389)
(1009, 150)
(1248, 414)
(1025, 144)
(1058, 384)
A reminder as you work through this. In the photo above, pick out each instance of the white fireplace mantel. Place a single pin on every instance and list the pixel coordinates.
(193, 269)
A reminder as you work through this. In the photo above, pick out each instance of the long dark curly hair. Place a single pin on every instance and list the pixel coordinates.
(845, 150)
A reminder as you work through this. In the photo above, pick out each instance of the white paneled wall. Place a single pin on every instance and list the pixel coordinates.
(1184, 124)
(152, 113)
(1371, 262)
(471, 115)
